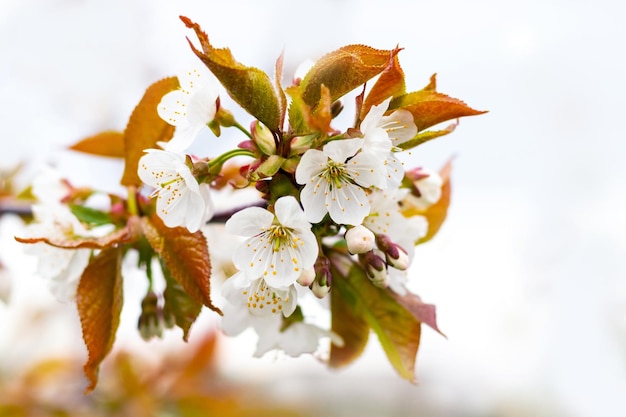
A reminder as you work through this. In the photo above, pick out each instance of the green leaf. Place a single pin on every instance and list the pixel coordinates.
(177, 302)
(348, 321)
(426, 136)
(99, 300)
(343, 70)
(90, 215)
(186, 256)
(145, 128)
(397, 328)
(429, 107)
(109, 143)
(250, 87)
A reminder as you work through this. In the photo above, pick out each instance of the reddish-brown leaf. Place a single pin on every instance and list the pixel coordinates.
(250, 87)
(122, 235)
(343, 70)
(185, 254)
(145, 128)
(389, 84)
(429, 107)
(426, 313)
(177, 302)
(99, 301)
(109, 143)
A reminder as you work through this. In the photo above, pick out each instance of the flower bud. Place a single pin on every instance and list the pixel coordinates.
(395, 255)
(263, 138)
(375, 268)
(321, 285)
(149, 323)
(360, 239)
(336, 108)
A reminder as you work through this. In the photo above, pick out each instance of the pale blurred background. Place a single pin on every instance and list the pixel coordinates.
(528, 273)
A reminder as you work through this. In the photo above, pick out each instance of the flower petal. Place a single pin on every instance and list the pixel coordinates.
(173, 108)
(348, 204)
(313, 198)
(249, 221)
(311, 164)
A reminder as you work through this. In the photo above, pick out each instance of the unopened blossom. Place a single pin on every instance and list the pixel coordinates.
(382, 134)
(181, 201)
(335, 180)
(279, 247)
(190, 108)
(359, 239)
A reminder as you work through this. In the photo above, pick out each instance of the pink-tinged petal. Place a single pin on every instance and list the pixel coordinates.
(341, 149)
(348, 204)
(249, 221)
(311, 164)
(313, 198)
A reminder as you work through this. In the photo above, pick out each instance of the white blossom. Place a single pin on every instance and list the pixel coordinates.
(62, 268)
(190, 108)
(279, 246)
(335, 180)
(382, 134)
(385, 218)
(181, 201)
(259, 298)
(240, 313)
(429, 186)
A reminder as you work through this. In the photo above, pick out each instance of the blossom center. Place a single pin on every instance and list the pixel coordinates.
(280, 237)
(335, 174)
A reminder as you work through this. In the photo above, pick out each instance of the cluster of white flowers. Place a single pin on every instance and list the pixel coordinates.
(352, 182)
(62, 268)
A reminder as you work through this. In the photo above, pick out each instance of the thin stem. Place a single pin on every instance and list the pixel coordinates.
(243, 129)
(220, 160)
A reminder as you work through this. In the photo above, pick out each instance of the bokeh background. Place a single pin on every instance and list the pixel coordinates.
(528, 273)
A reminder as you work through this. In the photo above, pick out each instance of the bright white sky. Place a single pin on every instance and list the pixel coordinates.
(529, 272)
